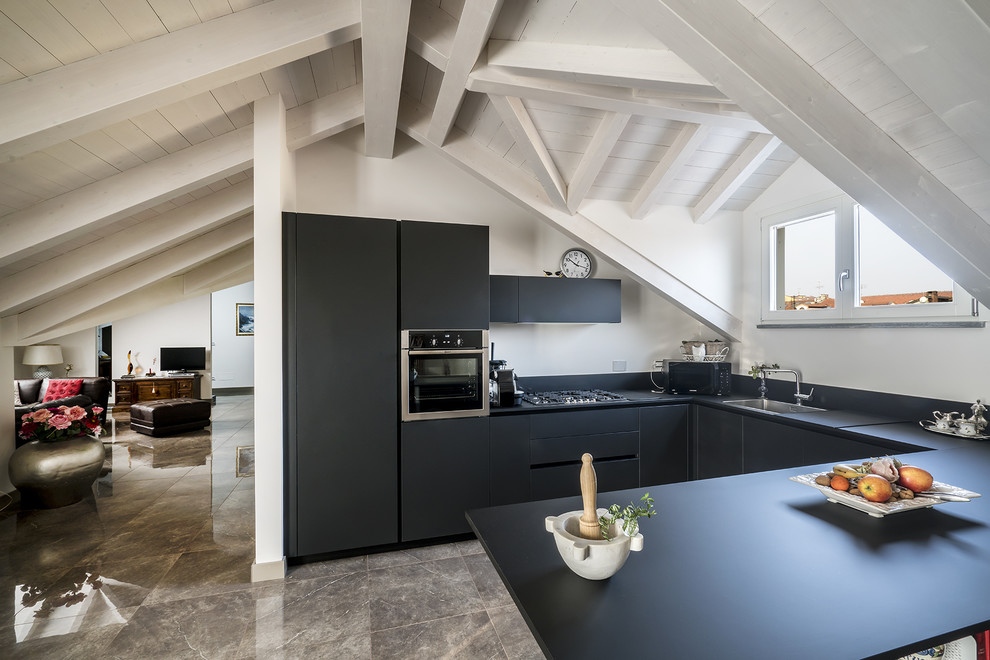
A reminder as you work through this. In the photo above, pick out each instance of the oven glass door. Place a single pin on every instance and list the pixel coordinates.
(445, 383)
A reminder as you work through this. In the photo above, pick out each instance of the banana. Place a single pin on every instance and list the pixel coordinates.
(847, 471)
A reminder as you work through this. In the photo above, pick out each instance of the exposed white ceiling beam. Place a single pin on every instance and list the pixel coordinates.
(122, 282)
(489, 168)
(734, 177)
(123, 194)
(688, 139)
(431, 33)
(601, 145)
(205, 277)
(520, 125)
(652, 69)
(492, 80)
(383, 49)
(938, 49)
(87, 95)
(96, 259)
(70, 214)
(767, 79)
(473, 28)
(326, 116)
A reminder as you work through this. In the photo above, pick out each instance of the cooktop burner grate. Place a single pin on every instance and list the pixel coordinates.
(571, 397)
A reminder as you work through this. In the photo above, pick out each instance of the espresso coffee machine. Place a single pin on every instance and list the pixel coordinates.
(502, 385)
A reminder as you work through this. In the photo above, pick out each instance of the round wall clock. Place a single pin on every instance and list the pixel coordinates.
(576, 263)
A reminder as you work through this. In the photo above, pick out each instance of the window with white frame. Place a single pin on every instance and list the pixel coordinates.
(834, 262)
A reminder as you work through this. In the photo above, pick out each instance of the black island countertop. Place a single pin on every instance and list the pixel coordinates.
(758, 566)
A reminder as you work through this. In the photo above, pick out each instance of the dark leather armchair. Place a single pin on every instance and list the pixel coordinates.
(94, 392)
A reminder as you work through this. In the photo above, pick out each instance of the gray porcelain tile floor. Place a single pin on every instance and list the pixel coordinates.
(157, 565)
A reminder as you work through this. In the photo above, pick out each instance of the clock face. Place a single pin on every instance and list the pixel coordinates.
(576, 264)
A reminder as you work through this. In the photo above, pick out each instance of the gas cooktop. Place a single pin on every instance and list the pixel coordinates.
(571, 397)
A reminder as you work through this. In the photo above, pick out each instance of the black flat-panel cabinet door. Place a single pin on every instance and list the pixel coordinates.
(504, 298)
(510, 455)
(444, 273)
(664, 445)
(772, 446)
(718, 442)
(445, 471)
(341, 393)
(561, 300)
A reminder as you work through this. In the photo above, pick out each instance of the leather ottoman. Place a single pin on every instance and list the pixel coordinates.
(167, 416)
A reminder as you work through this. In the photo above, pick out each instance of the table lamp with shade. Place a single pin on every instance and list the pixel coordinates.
(42, 355)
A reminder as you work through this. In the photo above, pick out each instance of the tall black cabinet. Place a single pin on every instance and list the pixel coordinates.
(341, 342)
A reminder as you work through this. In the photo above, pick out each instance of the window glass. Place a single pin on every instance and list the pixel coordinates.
(805, 260)
(891, 272)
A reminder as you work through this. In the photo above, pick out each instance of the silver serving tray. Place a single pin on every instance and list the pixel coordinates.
(929, 425)
(881, 509)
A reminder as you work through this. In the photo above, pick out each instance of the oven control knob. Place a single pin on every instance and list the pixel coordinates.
(433, 341)
(459, 341)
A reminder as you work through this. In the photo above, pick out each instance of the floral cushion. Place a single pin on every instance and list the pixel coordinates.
(17, 395)
(61, 389)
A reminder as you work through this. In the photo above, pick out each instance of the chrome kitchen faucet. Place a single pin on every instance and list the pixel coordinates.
(798, 397)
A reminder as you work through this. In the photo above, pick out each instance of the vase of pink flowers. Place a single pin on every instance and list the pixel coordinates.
(62, 458)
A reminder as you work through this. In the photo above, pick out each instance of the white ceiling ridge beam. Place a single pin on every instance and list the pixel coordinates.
(771, 82)
(590, 166)
(673, 160)
(473, 29)
(94, 260)
(431, 33)
(515, 185)
(323, 117)
(520, 125)
(939, 50)
(206, 276)
(63, 103)
(644, 68)
(173, 261)
(491, 80)
(71, 214)
(754, 155)
(385, 25)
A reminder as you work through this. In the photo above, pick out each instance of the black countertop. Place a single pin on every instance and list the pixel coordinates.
(759, 566)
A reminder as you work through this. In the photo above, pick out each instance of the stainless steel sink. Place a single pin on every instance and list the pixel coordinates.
(772, 407)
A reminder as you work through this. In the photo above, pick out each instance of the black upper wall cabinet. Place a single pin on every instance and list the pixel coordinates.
(444, 276)
(518, 299)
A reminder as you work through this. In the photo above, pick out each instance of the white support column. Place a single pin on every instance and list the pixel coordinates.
(274, 191)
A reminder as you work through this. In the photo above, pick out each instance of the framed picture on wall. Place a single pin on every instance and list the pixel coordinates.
(245, 319)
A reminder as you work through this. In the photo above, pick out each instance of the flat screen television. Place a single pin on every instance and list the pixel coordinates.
(183, 358)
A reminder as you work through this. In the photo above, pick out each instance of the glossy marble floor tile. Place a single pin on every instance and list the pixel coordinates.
(157, 564)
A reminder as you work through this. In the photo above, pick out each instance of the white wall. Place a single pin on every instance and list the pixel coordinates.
(185, 323)
(335, 178)
(928, 362)
(78, 349)
(233, 356)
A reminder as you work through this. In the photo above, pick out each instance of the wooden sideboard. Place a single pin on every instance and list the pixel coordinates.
(128, 391)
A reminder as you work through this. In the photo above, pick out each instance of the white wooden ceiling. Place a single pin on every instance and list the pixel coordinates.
(125, 125)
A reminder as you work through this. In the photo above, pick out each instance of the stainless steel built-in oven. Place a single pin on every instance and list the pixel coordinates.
(444, 374)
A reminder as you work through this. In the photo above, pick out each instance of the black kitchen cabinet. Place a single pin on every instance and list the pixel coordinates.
(510, 459)
(718, 442)
(341, 422)
(518, 299)
(663, 444)
(770, 445)
(445, 471)
(444, 276)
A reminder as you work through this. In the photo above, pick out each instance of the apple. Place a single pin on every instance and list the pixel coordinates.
(874, 488)
(915, 478)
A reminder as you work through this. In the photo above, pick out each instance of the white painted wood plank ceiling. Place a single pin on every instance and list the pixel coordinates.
(126, 118)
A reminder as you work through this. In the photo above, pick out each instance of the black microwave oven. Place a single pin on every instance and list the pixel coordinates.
(698, 377)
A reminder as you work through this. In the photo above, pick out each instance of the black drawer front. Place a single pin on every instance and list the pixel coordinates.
(605, 445)
(584, 422)
(565, 480)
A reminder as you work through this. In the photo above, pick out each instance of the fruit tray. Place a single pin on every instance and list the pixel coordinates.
(881, 509)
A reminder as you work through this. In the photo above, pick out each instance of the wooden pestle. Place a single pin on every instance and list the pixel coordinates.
(589, 528)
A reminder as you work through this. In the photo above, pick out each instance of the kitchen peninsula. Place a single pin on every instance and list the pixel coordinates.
(757, 566)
